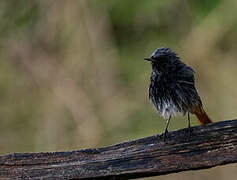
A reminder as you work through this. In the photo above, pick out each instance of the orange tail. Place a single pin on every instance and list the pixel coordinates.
(202, 115)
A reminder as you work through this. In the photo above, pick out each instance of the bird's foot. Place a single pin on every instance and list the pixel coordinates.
(188, 133)
(165, 135)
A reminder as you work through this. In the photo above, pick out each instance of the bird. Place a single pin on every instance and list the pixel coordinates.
(172, 88)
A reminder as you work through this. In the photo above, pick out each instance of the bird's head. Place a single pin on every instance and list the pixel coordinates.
(162, 55)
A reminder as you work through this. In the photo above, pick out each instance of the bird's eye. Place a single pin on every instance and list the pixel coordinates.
(161, 57)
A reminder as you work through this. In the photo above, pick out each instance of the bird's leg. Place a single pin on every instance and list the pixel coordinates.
(166, 128)
(189, 126)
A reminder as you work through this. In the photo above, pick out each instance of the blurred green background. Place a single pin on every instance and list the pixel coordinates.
(72, 73)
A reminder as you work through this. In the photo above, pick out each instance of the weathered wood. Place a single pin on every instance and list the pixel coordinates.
(210, 145)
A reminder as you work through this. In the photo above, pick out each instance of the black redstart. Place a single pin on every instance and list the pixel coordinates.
(172, 88)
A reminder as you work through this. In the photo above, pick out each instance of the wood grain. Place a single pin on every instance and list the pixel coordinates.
(211, 145)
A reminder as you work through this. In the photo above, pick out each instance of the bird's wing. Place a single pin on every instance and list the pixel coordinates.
(185, 76)
(186, 85)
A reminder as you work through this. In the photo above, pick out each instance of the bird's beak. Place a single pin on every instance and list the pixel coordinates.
(149, 59)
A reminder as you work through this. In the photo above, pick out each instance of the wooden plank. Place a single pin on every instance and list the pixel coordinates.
(211, 145)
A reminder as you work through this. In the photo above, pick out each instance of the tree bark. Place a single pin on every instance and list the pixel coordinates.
(210, 145)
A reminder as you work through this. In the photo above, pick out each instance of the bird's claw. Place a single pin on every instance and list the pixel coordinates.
(188, 133)
(165, 135)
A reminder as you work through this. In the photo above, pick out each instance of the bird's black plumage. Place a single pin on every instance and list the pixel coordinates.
(172, 88)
